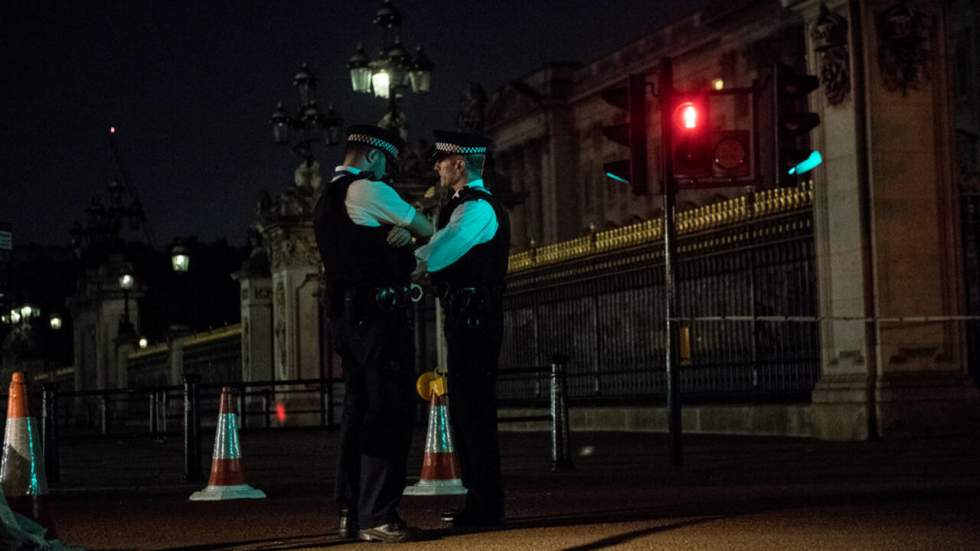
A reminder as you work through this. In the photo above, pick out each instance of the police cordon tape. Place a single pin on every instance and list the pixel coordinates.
(815, 319)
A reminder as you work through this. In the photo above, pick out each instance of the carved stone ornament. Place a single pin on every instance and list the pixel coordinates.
(830, 40)
(307, 175)
(295, 250)
(903, 46)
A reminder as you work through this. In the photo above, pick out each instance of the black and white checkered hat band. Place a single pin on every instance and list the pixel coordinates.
(459, 149)
(374, 142)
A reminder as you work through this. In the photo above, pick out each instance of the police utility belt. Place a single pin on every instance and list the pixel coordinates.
(468, 304)
(385, 299)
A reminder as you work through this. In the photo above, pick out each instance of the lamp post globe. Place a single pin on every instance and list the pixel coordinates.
(360, 70)
(180, 261)
(126, 282)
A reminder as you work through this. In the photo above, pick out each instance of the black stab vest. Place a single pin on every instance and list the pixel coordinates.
(484, 265)
(355, 257)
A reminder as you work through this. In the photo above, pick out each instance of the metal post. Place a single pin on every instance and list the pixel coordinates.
(242, 417)
(561, 458)
(164, 410)
(49, 428)
(192, 428)
(266, 400)
(154, 428)
(330, 402)
(323, 404)
(104, 414)
(418, 321)
(665, 92)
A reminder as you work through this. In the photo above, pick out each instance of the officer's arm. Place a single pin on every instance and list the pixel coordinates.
(420, 226)
(471, 224)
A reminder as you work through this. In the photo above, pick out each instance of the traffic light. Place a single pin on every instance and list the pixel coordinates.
(792, 124)
(633, 134)
(691, 137)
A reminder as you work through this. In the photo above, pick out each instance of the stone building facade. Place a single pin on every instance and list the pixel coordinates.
(895, 243)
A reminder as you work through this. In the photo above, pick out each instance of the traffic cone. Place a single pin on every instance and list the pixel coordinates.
(227, 478)
(22, 471)
(440, 466)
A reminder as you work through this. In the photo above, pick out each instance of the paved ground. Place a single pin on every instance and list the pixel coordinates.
(732, 493)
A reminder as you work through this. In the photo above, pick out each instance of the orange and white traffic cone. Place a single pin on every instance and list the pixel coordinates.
(440, 465)
(227, 478)
(22, 470)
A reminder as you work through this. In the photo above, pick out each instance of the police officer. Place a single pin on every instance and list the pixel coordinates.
(467, 260)
(364, 231)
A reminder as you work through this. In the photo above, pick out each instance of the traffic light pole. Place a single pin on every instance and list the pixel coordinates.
(665, 91)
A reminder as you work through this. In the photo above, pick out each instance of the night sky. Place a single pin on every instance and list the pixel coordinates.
(191, 87)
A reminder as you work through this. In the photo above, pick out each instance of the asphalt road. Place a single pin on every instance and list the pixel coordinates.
(732, 493)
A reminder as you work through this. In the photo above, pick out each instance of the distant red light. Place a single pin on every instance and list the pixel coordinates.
(281, 412)
(112, 129)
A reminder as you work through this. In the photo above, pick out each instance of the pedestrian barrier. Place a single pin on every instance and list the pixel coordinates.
(164, 412)
(440, 465)
(22, 472)
(227, 475)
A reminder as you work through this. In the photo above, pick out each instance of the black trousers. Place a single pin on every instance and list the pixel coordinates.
(473, 353)
(377, 353)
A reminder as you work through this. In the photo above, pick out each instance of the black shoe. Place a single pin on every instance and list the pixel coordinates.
(392, 532)
(467, 519)
(347, 524)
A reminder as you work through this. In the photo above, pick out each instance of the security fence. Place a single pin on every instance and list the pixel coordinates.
(599, 300)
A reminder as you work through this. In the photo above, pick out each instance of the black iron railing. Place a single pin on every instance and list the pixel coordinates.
(600, 301)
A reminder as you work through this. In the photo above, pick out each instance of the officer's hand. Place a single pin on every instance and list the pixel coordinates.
(399, 237)
(421, 272)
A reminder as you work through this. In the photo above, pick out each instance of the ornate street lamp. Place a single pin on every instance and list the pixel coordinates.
(180, 261)
(395, 70)
(308, 125)
(55, 322)
(126, 283)
(360, 70)
(420, 73)
(27, 311)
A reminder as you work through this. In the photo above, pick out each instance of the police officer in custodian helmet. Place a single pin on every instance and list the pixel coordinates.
(466, 259)
(364, 231)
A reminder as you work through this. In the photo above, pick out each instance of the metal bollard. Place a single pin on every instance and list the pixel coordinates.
(104, 417)
(561, 457)
(192, 429)
(49, 429)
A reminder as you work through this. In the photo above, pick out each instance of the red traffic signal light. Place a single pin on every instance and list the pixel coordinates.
(687, 116)
(691, 136)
